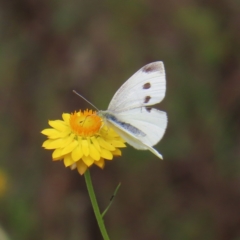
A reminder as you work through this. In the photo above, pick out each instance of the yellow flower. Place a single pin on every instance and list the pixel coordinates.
(81, 139)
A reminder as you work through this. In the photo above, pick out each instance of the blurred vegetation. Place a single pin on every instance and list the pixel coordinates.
(49, 48)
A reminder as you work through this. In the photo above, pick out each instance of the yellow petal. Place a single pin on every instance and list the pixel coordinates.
(117, 152)
(58, 125)
(100, 163)
(95, 143)
(46, 143)
(111, 133)
(62, 134)
(57, 154)
(105, 144)
(77, 153)
(85, 147)
(66, 117)
(94, 153)
(117, 144)
(106, 154)
(54, 134)
(73, 166)
(69, 147)
(87, 160)
(49, 132)
(81, 167)
(52, 144)
(68, 160)
(67, 140)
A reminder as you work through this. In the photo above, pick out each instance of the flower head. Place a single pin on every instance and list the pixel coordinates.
(81, 139)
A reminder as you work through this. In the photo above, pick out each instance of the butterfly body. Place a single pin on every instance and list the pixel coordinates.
(129, 113)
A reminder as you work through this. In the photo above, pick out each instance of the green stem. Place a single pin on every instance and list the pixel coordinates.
(95, 205)
(111, 200)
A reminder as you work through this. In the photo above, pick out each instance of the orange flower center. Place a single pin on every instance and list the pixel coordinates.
(85, 123)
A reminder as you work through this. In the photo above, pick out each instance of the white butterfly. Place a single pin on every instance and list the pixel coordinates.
(129, 113)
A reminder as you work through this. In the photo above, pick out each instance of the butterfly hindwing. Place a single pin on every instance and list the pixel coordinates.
(151, 122)
(131, 138)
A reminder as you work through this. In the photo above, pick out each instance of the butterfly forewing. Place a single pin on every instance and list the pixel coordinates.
(146, 87)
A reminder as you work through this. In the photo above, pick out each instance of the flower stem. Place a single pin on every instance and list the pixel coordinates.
(95, 205)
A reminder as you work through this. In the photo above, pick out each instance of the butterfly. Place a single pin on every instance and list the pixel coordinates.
(129, 112)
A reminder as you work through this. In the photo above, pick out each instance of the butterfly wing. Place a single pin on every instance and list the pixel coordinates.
(142, 128)
(150, 121)
(139, 133)
(146, 87)
(128, 114)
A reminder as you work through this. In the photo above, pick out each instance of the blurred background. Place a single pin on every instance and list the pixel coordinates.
(48, 48)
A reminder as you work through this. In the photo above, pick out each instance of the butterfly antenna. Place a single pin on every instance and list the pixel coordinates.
(85, 99)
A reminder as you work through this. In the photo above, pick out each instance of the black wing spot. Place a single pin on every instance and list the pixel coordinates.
(147, 85)
(148, 109)
(151, 67)
(147, 99)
